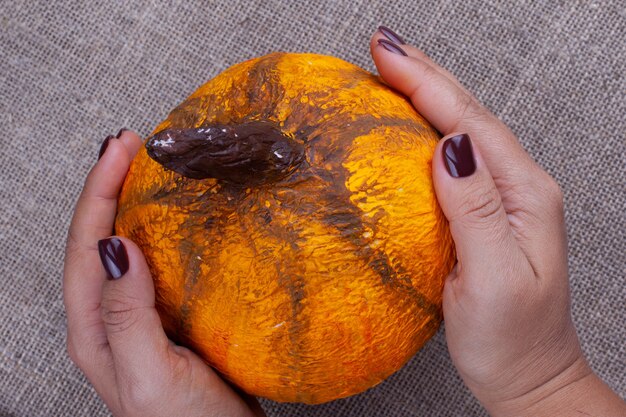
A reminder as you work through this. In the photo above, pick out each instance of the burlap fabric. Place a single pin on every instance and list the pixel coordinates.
(72, 72)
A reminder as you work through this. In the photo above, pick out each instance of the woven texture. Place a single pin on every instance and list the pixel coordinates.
(72, 72)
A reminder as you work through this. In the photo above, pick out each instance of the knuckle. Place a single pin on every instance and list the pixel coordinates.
(547, 191)
(482, 206)
(554, 193)
(470, 109)
(430, 72)
(71, 241)
(118, 314)
(81, 354)
(136, 397)
(73, 351)
(181, 367)
(73, 247)
(141, 396)
(428, 76)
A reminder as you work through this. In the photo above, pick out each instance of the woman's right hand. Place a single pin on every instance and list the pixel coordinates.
(506, 303)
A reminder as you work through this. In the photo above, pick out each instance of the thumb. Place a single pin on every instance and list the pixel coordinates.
(472, 204)
(133, 327)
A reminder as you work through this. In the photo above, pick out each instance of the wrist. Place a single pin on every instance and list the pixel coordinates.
(575, 391)
(546, 398)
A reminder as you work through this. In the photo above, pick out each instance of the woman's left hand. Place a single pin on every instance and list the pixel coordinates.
(114, 333)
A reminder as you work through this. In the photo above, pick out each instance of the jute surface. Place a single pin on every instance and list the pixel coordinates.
(72, 72)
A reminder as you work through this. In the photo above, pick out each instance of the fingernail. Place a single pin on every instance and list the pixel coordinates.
(391, 35)
(122, 130)
(114, 257)
(391, 47)
(105, 145)
(459, 156)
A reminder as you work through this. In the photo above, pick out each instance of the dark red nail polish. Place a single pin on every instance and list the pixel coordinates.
(391, 47)
(459, 156)
(105, 145)
(391, 35)
(114, 257)
(122, 130)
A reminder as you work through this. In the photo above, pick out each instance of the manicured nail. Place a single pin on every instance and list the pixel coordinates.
(391, 47)
(122, 130)
(459, 156)
(114, 257)
(391, 35)
(105, 145)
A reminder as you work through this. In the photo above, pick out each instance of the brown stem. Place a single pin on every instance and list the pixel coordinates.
(248, 153)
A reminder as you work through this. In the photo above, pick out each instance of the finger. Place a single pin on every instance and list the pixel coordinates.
(435, 93)
(384, 32)
(472, 204)
(527, 192)
(95, 210)
(93, 220)
(133, 327)
(147, 364)
(131, 140)
(450, 108)
(82, 279)
(539, 212)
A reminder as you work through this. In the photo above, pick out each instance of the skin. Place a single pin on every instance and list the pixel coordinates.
(506, 303)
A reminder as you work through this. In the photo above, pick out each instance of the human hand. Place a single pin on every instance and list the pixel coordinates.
(114, 331)
(506, 304)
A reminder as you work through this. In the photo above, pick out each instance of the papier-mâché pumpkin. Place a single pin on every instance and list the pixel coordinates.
(287, 213)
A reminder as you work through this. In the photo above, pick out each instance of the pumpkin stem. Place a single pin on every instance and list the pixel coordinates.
(248, 153)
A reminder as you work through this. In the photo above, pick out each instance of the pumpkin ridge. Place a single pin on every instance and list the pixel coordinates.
(264, 89)
(293, 284)
(352, 226)
(349, 223)
(200, 217)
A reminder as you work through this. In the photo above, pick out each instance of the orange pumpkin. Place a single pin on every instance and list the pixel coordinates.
(287, 213)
